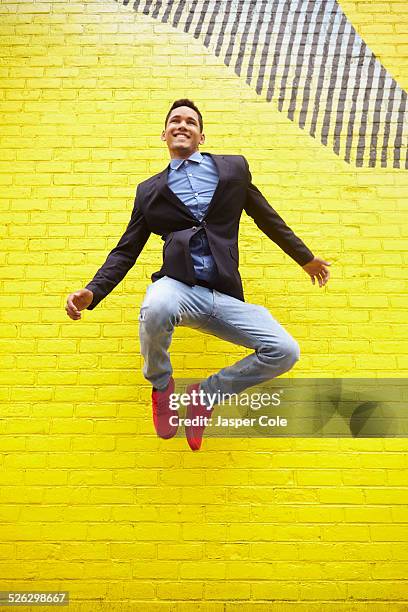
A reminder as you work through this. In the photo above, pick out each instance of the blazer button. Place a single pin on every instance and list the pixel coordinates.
(194, 227)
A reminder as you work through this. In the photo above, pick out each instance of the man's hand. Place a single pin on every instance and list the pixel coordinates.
(317, 269)
(78, 301)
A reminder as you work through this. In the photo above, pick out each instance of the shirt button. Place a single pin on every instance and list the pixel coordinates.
(186, 162)
(189, 174)
(196, 194)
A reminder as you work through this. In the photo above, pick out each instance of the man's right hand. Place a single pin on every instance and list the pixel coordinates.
(78, 301)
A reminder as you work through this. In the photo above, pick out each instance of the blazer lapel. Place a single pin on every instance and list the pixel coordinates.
(223, 166)
(224, 169)
(166, 192)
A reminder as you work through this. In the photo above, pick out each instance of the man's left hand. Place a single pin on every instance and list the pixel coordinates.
(317, 270)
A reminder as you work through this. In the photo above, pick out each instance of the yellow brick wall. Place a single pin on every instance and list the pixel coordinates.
(91, 501)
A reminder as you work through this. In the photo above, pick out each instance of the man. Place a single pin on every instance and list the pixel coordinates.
(195, 204)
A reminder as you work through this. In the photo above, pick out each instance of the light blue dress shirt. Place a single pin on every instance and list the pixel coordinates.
(194, 181)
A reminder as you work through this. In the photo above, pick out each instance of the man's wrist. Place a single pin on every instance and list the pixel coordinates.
(94, 298)
(308, 262)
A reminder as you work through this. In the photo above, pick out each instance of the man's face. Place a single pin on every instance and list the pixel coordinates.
(182, 133)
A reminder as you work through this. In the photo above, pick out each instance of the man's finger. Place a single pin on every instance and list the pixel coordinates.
(71, 305)
(72, 310)
(73, 315)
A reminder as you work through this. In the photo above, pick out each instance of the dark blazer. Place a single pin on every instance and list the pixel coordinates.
(157, 209)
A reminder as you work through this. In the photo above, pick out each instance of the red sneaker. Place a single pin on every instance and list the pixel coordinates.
(162, 412)
(194, 433)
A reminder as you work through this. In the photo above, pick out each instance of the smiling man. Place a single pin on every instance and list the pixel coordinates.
(195, 204)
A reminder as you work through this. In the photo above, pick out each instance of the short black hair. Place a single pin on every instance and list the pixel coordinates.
(190, 104)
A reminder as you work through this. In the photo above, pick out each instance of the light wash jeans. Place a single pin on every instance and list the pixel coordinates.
(169, 303)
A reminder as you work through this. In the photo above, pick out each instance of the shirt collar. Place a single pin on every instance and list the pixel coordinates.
(195, 157)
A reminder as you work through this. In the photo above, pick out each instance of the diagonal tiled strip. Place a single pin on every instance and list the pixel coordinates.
(306, 56)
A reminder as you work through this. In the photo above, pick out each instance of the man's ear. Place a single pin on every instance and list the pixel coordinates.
(163, 135)
(202, 138)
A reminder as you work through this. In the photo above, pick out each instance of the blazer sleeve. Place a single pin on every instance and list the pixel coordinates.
(271, 224)
(121, 258)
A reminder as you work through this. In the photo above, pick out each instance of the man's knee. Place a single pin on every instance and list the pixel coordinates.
(290, 351)
(287, 351)
(159, 315)
(294, 352)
